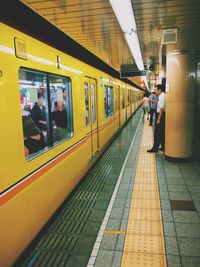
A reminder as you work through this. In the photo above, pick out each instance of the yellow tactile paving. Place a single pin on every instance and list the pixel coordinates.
(147, 187)
(144, 228)
(146, 194)
(142, 203)
(142, 179)
(143, 260)
(147, 178)
(144, 242)
(145, 214)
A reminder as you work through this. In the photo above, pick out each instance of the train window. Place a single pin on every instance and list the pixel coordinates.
(87, 118)
(39, 102)
(34, 107)
(128, 100)
(61, 107)
(108, 100)
(93, 98)
(132, 97)
(117, 100)
(123, 99)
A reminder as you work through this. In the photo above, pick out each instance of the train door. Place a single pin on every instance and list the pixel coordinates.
(91, 86)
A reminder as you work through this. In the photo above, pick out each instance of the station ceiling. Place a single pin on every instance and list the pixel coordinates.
(93, 24)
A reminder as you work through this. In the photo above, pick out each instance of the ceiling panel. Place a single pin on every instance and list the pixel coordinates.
(92, 23)
(153, 16)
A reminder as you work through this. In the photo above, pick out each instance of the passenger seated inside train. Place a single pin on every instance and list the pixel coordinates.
(38, 113)
(59, 124)
(33, 136)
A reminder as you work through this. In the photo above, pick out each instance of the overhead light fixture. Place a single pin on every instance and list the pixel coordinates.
(124, 12)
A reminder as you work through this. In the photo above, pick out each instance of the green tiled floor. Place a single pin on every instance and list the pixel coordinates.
(180, 181)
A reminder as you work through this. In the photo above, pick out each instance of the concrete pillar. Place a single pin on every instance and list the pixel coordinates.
(180, 90)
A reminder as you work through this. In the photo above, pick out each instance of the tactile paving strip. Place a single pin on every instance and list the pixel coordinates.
(143, 260)
(147, 187)
(146, 194)
(144, 242)
(145, 228)
(145, 204)
(144, 214)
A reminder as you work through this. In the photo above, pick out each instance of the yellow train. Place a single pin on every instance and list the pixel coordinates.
(58, 114)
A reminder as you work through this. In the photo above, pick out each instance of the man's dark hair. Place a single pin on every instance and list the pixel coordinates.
(160, 87)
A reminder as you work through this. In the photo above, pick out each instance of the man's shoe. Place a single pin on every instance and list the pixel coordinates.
(153, 150)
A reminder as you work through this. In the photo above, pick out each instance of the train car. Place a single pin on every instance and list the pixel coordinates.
(58, 115)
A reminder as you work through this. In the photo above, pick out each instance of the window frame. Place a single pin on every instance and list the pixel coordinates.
(87, 111)
(67, 82)
(108, 101)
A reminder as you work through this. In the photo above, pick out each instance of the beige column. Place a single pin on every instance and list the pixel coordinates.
(180, 89)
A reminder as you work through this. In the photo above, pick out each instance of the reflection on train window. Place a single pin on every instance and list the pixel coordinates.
(108, 100)
(123, 99)
(41, 96)
(117, 100)
(128, 100)
(132, 97)
(93, 100)
(87, 118)
(61, 107)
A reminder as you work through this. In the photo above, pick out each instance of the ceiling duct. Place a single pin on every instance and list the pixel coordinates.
(169, 36)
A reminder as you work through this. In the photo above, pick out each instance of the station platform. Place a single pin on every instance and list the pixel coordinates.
(132, 209)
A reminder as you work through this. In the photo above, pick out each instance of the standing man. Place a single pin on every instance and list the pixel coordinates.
(159, 132)
(153, 106)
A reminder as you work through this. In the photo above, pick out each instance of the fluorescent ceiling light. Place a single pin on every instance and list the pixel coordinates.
(124, 12)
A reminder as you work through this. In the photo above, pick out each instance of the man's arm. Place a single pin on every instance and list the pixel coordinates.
(160, 115)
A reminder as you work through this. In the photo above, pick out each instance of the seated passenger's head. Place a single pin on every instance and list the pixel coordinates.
(60, 118)
(29, 127)
(40, 100)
